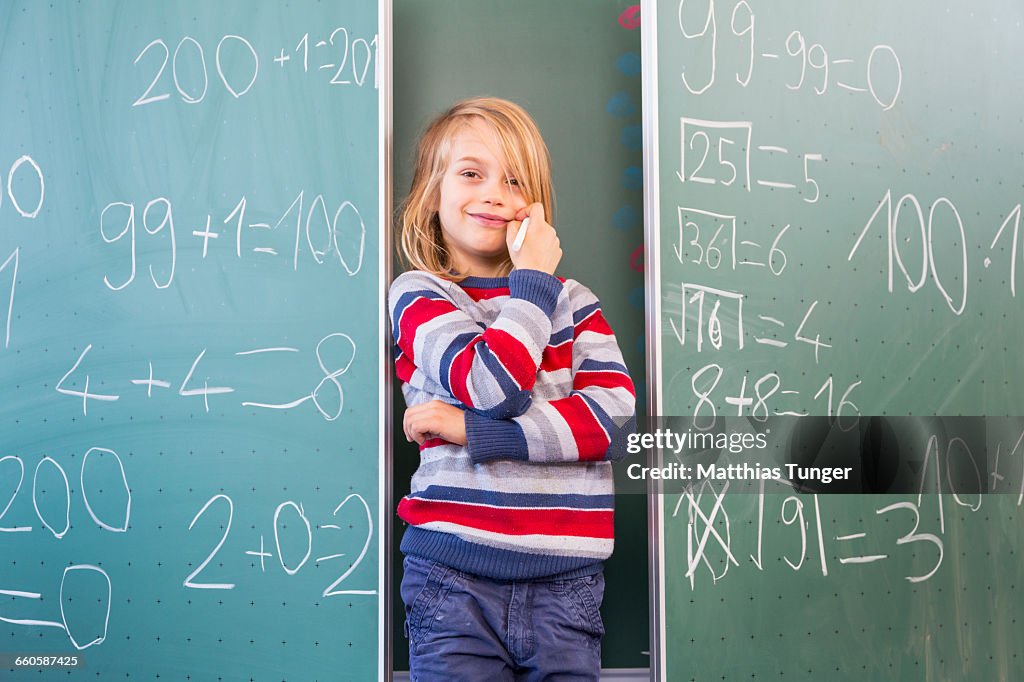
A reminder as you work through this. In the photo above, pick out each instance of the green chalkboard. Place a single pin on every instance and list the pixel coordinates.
(190, 340)
(575, 66)
(835, 208)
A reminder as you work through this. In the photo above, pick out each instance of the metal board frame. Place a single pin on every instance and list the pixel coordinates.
(385, 135)
(652, 325)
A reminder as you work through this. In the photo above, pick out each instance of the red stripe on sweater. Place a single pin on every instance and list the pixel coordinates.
(404, 367)
(433, 443)
(591, 441)
(587, 523)
(602, 379)
(459, 372)
(557, 357)
(514, 357)
(594, 322)
(416, 313)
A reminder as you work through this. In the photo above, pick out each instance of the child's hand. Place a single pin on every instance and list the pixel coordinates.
(541, 249)
(435, 419)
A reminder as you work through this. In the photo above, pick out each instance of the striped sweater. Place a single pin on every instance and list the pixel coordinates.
(549, 404)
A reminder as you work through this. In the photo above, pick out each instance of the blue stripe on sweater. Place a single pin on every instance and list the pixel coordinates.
(597, 366)
(457, 344)
(601, 415)
(619, 447)
(506, 383)
(581, 314)
(515, 500)
(560, 337)
(474, 282)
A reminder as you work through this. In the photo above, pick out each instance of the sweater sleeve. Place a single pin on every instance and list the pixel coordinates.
(490, 370)
(592, 423)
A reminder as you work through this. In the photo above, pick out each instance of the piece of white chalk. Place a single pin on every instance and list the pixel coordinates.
(521, 236)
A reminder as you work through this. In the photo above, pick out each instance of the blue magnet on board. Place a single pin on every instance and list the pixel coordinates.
(636, 297)
(621, 104)
(626, 218)
(633, 178)
(629, 64)
(632, 137)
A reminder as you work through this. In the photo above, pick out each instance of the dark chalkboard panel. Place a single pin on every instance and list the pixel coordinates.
(575, 66)
(835, 203)
(190, 339)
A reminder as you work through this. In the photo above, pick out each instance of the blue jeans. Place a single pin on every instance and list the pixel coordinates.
(463, 627)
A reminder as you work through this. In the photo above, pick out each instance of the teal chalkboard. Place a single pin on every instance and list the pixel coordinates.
(190, 356)
(575, 66)
(835, 205)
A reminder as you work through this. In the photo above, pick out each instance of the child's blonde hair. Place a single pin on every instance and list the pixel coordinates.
(519, 140)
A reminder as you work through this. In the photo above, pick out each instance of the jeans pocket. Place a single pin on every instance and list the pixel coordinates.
(584, 597)
(425, 584)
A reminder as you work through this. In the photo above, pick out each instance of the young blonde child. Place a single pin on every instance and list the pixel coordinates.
(519, 399)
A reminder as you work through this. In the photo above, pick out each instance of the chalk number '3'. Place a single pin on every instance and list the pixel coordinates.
(914, 536)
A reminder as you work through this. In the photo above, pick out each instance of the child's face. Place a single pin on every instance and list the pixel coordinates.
(477, 202)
